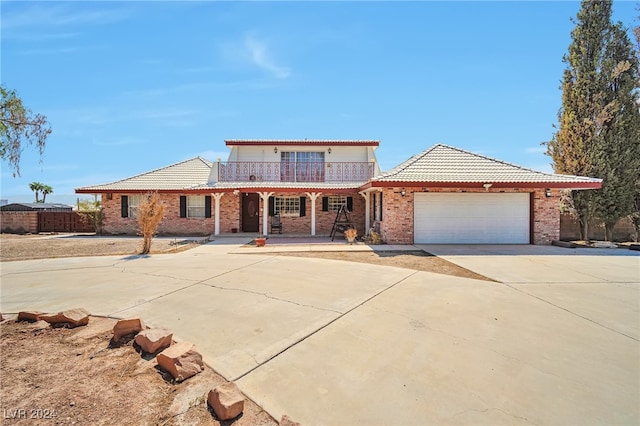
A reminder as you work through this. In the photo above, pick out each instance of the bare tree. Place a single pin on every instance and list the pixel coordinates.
(150, 213)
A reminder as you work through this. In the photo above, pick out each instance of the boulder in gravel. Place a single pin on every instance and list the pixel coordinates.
(286, 421)
(181, 361)
(226, 400)
(125, 327)
(73, 317)
(154, 339)
(31, 316)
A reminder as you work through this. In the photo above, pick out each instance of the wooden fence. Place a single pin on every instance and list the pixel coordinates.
(63, 222)
(31, 222)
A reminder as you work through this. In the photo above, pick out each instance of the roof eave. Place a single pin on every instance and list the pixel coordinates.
(436, 184)
(260, 142)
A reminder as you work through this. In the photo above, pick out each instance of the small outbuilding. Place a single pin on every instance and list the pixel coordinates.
(36, 207)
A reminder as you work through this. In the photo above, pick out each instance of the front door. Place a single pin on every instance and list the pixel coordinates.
(250, 212)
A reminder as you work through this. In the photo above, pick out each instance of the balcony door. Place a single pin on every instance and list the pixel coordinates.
(302, 166)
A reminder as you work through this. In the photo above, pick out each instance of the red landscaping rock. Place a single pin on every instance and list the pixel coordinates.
(154, 339)
(39, 325)
(73, 317)
(181, 360)
(226, 400)
(31, 316)
(127, 326)
(286, 421)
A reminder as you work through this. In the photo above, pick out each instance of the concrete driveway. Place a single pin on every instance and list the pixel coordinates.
(331, 342)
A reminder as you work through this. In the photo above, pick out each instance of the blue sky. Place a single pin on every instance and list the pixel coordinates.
(133, 86)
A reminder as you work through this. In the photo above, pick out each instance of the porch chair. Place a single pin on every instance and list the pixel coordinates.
(276, 223)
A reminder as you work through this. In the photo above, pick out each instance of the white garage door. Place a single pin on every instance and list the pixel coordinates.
(466, 218)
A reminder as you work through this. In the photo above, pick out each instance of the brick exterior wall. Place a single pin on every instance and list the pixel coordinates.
(396, 226)
(230, 213)
(171, 224)
(19, 222)
(546, 216)
(324, 220)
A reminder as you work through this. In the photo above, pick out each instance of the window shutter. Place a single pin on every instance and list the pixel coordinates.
(381, 207)
(272, 206)
(325, 204)
(303, 206)
(207, 206)
(124, 206)
(183, 206)
(350, 203)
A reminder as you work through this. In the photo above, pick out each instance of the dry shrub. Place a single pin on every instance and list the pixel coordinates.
(150, 213)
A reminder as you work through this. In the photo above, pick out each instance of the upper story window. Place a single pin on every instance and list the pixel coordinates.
(301, 166)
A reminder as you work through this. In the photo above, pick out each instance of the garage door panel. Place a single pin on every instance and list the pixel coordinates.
(449, 218)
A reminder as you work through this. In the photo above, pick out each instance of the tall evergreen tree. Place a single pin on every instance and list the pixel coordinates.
(635, 214)
(598, 121)
(582, 102)
(618, 153)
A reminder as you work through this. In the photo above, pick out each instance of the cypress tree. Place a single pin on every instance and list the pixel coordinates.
(598, 126)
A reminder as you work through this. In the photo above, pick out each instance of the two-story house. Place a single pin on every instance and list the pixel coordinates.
(302, 182)
(441, 195)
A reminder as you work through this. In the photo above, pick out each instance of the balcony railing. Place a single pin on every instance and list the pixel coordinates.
(246, 171)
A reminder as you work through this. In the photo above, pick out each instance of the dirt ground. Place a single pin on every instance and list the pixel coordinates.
(24, 247)
(60, 376)
(417, 260)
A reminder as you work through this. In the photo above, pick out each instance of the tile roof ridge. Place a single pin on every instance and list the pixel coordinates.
(486, 157)
(145, 173)
(407, 163)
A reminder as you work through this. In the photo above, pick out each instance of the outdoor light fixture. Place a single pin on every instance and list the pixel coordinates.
(403, 192)
(275, 150)
(547, 192)
(487, 186)
(329, 150)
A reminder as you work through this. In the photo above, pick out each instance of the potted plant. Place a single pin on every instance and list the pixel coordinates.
(351, 234)
(260, 241)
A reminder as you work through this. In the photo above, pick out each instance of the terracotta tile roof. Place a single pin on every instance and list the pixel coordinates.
(187, 174)
(313, 142)
(446, 164)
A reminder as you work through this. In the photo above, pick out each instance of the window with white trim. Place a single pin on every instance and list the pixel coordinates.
(134, 203)
(335, 201)
(195, 206)
(287, 206)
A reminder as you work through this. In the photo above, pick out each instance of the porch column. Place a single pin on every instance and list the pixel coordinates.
(313, 196)
(367, 210)
(265, 210)
(216, 197)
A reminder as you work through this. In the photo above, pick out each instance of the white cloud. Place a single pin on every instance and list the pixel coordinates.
(52, 51)
(261, 56)
(536, 149)
(254, 52)
(40, 16)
